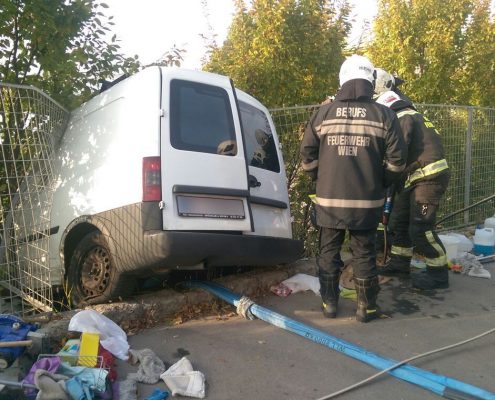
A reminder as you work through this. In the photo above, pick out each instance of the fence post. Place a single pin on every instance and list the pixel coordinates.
(468, 164)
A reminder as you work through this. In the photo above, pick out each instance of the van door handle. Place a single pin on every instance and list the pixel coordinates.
(253, 182)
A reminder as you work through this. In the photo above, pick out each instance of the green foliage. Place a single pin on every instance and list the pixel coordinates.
(476, 77)
(284, 52)
(61, 47)
(445, 51)
(171, 58)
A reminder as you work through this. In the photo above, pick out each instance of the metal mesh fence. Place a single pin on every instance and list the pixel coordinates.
(30, 125)
(290, 123)
(469, 139)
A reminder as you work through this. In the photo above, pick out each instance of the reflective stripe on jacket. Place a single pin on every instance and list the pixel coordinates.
(426, 155)
(430, 169)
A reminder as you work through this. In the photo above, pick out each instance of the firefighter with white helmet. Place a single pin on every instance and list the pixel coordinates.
(353, 148)
(384, 81)
(424, 182)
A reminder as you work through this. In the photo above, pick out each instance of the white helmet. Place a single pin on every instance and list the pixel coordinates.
(384, 81)
(388, 98)
(356, 67)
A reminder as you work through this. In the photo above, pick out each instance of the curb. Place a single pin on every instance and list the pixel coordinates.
(147, 310)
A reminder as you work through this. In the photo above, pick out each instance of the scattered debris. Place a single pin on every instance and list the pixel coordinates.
(83, 367)
(303, 282)
(182, 379)
(468, 264)
(150, 366)
(188, 312)
(280, 290)
(112, 337)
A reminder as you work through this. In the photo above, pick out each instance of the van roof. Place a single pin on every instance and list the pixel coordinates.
(108, 89)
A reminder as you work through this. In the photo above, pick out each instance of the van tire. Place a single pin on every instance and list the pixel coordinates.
(92, 276)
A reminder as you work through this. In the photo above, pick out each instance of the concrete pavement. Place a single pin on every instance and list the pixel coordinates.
(254, 360)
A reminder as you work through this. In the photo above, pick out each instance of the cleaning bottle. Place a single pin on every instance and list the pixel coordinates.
(484, 241)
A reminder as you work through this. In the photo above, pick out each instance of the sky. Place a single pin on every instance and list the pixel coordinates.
(149, 28)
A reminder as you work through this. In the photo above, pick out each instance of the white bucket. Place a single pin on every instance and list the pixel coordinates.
(451, 245)
(484, 241)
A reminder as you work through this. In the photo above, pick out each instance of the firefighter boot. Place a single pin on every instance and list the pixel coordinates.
(397, 266)
(432, 278)
(367, 292)
(329, 290)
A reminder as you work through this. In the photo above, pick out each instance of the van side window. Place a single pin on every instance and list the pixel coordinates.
(201, 118)
(261, 151)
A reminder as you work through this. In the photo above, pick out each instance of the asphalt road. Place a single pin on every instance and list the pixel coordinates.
(244, 359)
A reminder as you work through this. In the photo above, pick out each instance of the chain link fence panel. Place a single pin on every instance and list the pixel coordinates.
(31, 123)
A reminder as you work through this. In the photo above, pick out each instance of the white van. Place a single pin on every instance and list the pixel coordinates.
(167, 169)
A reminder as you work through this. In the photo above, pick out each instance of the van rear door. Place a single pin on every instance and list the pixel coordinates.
(269, 198)
(203, 169)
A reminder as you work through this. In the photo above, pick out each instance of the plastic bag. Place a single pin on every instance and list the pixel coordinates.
(112, 337)
(182, 379)
(465, 244)
(302, 282)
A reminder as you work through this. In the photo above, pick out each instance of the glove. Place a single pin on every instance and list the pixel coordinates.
(157, 395)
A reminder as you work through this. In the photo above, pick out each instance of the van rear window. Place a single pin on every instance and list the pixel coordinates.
(260, 145)
(201, 118)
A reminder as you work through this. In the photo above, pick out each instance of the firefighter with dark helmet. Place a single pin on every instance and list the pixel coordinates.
(353, 147)
(424, 182)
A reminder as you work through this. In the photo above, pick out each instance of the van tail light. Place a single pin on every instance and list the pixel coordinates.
(152, 181)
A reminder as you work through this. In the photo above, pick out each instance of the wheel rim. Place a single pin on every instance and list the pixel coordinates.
(95, 271)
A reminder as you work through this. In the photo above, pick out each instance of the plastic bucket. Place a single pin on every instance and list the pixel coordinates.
(484, 241)
(451, 245)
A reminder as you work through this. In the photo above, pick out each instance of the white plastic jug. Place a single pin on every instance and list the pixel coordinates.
(465, 244)
(451, 245)
(484, 241)
(490, 222)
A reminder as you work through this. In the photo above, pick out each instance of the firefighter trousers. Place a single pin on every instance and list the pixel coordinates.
(414, 219)
(362, 245)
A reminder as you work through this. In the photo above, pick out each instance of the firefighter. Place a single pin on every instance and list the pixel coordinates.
(423, 184)
(383, 83)
(386, 81)
(353, 148)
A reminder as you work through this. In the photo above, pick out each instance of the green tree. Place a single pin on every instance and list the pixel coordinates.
(61, 47)
(476, 75)
(443, 50)
(284, 52)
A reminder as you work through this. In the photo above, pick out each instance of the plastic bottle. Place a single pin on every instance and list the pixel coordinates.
(484, 241)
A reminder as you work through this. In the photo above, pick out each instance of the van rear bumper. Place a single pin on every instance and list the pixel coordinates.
(173, 249)
(138, 243)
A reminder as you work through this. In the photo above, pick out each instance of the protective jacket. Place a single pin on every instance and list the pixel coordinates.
(426, 155)
(354, 148)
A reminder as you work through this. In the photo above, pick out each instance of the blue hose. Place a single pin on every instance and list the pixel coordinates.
(439, 384)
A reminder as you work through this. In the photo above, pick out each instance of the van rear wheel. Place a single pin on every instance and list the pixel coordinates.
(92, 276)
